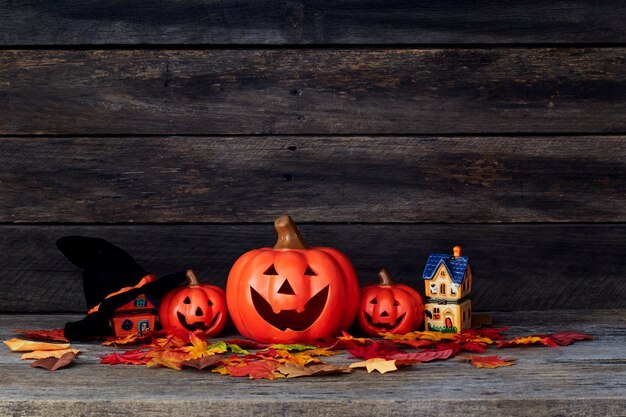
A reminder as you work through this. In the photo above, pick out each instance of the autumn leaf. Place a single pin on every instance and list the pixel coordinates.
(245, 343)
(424, 356)
(292, 370)
(43, 354)
(320, 351)
(54, 335)
(283, 356)
(473, 347)
(199, 348)
(490, 333)
(203, 362)
(416, 343)
(292, 347)
(127, 340)
(261, 369)
(376, 364)
(488, 361)
(567, 338)
(167, 358)
(52, 364)
(345, 337)
(374, 350)
(170, 341)
(235, 348)
(131, 357)
(528, 340)
(19, 345)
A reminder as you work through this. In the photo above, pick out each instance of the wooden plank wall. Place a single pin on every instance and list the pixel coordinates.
(180, 129)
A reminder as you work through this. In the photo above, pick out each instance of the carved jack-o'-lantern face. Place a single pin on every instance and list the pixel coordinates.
(291, 293)
(194, 307)
(390, 308)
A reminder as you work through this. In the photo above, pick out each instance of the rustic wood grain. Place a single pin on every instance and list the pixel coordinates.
(295, 91)
(345, 179)
(586, 378)
(517, 267)
(206, 22)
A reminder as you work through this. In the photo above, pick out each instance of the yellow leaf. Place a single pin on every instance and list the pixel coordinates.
(168, 358)
(376, 364)
(19, 345)
(43, 354)
(325, 351)
(200, 348)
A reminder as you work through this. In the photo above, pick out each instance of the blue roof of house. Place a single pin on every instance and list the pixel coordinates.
(456, 266)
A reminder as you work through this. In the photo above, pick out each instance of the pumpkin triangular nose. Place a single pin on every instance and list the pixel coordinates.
(286, 289)
(384, 314)
(199, 312)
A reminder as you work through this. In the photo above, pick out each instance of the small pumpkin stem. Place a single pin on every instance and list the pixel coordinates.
(289, 236)
(192, 279)
(385, 278)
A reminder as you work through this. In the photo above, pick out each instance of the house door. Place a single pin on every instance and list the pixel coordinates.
(448, 323)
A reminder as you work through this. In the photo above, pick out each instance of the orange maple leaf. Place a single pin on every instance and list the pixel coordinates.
(488, 361)
(528, 340)
(346, 337)
(261, 369)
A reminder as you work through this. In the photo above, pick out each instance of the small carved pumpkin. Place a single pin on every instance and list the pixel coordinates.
(390, 308)
(194, 307)
(292, 293)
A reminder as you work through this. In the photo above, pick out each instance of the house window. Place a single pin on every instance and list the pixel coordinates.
(464, 315)
(443, 274)
(442, 288)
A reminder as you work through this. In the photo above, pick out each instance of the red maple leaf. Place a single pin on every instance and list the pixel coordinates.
(567, 338)
(55, 335)
(488, 332)
(423, 356)
(130, 357)
(473, 347)
(374, 350)
(416, 343)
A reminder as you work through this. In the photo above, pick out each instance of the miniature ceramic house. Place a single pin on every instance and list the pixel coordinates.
(138, 315)
(448, 282)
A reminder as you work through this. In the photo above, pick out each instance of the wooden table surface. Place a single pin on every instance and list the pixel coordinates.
(584, 379)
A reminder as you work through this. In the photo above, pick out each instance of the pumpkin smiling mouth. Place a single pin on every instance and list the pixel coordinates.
(198, 325)
(291, 319)
(384, 326)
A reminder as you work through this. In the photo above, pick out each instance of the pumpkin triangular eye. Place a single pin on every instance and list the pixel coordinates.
(187, 300)
(270, 271)
(209, 303)
(396, 303)
(310, 272)
(374, 301)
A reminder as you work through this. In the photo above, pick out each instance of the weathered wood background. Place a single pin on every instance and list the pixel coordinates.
(180, 129)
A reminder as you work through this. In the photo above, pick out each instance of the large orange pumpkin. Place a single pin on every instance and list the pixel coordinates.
(194, 307)
(292, 293)
(390, 308)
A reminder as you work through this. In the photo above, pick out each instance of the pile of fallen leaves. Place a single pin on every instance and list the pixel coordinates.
(240, 357)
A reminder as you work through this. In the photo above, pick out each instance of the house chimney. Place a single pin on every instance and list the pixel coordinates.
(456, 251)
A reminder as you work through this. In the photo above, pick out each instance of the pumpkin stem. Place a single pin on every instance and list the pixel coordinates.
(385, 278)
(288, 234)
(192, 279)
